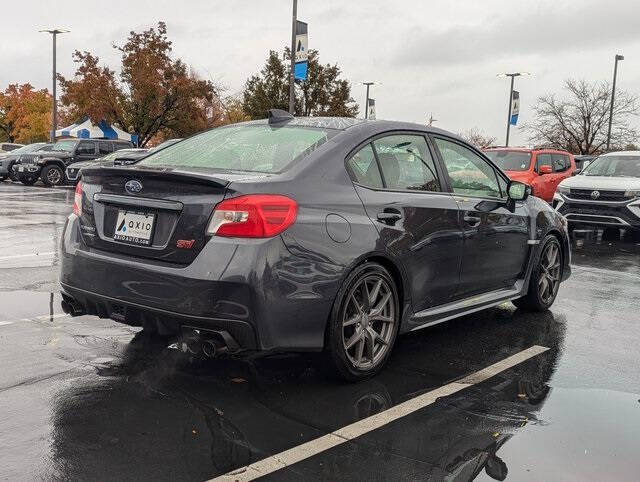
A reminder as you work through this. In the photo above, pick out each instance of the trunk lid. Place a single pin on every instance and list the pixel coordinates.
(174, 204)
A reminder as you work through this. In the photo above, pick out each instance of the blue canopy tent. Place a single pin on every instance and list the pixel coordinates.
(87, 130)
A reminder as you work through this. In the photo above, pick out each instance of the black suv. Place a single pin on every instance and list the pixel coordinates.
(49, 166)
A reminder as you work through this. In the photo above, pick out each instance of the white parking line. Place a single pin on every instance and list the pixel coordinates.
(28, 255)
(3, 323)
(350, 432)
(22, 194)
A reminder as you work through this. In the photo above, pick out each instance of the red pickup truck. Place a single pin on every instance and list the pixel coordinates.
(542, 169)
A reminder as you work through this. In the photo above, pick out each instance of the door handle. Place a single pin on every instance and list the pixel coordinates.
(389, 217)
(472, 220)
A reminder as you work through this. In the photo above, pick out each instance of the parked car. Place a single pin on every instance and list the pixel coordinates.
(298, 234)
(122, 157)
(6, 147)
(582, 162)
(605, 194)
(7, 162)
(49, 166)
(542, 169)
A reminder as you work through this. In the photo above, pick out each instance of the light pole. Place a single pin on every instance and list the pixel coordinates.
(513, 76)
(292, 92)
(54, 32)
(613, 96)
(366, 102)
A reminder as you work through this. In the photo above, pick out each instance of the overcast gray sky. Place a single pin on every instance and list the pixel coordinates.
(437, 56)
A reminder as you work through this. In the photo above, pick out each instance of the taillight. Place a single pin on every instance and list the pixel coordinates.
(253, 216)
(77, 200)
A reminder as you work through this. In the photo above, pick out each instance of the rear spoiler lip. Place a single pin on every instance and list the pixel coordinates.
(184, 176)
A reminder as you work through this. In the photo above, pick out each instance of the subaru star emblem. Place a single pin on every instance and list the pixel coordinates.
(133, 186)
(594, 194)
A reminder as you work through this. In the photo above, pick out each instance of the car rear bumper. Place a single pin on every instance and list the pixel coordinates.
(255, 289)
(614, 214)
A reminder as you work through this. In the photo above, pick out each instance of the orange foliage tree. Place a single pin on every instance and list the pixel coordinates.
(25, 113)
(154, 95)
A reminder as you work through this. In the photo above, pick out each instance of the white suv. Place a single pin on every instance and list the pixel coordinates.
(606, 193)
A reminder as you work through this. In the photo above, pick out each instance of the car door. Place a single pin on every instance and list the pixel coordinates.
(401, 188)
(561, 166)
(543, 185)
(85, 151)
(496, 232)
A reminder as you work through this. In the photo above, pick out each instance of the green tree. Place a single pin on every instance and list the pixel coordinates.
(323, 94)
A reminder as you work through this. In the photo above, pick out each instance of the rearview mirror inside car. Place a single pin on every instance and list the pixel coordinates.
(517, 191)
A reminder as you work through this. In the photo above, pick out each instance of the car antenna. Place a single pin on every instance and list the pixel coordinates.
(278, 115)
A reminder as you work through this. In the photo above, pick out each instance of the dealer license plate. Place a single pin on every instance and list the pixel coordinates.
(134, 227)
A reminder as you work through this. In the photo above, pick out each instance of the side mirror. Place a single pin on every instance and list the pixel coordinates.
(546, 169)
(517, 191)
(576, 172)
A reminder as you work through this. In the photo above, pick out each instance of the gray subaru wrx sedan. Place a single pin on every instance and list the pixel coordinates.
(301, 234)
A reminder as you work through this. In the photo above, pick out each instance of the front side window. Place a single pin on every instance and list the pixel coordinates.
(364, 168)
(469, 173)
(543, 160)
(64, 146)
(243, 147)
(406, 163)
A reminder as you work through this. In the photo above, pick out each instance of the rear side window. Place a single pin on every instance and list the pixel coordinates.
(560, 162)
(86, 148)
(406, 163)
(243, 147)
(121, 145)
(364, 168)
(105, 147)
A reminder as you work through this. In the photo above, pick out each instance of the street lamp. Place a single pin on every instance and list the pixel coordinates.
(366, 102)
(513, 76)
(613, 95)
(54, 32)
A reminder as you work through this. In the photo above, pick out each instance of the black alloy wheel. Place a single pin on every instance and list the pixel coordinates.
(52, 175)
(364, 322)
(545, 278)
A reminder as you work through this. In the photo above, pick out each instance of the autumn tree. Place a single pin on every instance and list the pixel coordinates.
(324, 93)
(25, 113)
(478, 138)
(578, 121)
(153, 95)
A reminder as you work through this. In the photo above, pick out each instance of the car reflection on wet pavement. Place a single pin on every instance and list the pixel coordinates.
(88, 399)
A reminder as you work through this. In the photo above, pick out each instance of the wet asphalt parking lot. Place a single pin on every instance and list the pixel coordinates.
(497, 394)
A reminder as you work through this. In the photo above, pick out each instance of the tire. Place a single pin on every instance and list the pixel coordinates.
(370, 327)
(52, 175)
(12, 176)
(28, 182)
(545, 278)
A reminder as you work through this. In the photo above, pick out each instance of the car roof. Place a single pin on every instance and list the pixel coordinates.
(344, 123)
(622, 153)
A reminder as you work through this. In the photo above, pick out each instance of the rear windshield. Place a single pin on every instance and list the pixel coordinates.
(614, 166)
(247, 148)
(510, 160)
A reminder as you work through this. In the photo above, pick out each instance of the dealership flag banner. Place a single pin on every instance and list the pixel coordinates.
(371, 109)
(302, 45)
(515, 107)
